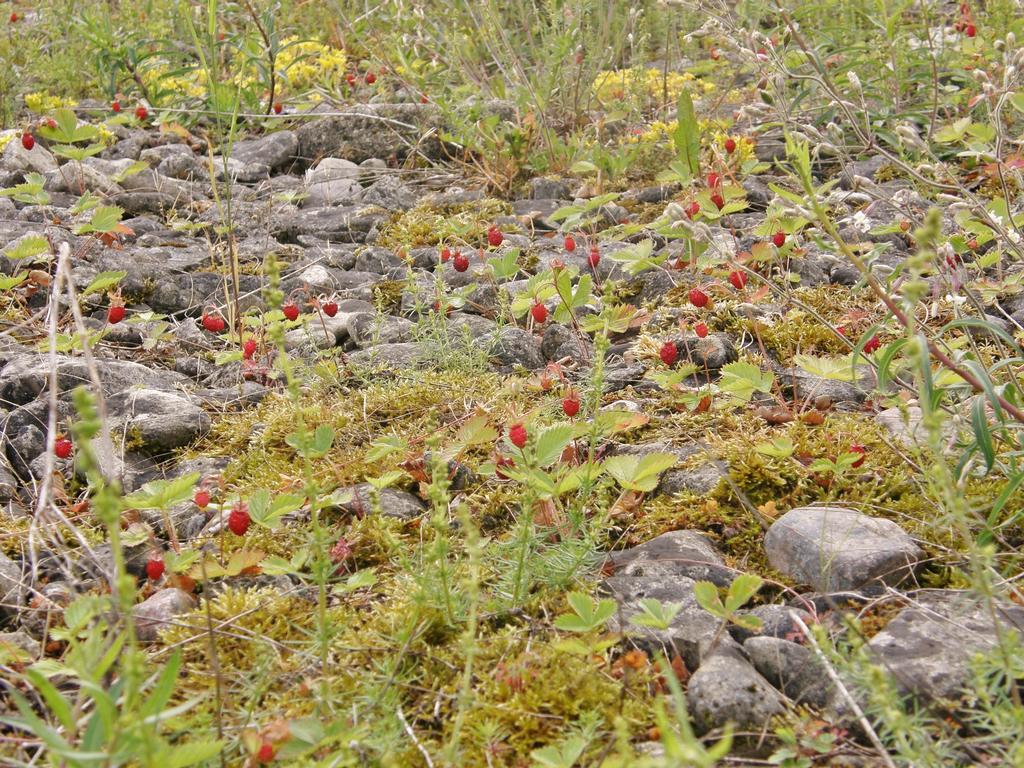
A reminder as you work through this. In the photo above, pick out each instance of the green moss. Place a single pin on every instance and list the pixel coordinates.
(431, 224)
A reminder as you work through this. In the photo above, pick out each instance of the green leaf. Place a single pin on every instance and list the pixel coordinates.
(639, 473)
(477, 431)
(686, 136)
(781, 448)
(741, 380)
(103, 281)
(708, 598)
(27, 247)
(162, 494)
(563, 756)
(1017, 101)
(363, 579)
(551, 442)
(267, 512)
(105, 219)
(742, 589)
(191, 753)
(7, 283)
(835, 368)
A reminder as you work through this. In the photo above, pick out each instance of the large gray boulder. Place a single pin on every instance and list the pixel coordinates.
(835, 549)
(930, 645)
(727, 689)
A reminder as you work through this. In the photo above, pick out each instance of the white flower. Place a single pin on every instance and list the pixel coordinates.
(1013, 235)
(861, 222)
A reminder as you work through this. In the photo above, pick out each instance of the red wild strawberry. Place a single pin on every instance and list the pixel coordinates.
(557, 265)
(460, 262)
(517, 435)
(714, 180)
(718, 200)
(249, 349)
(14, 16)
(202, 498)
(278, 107)
(238, 520)
(141, 113)
(424, 99)
(28, 140)
(266, 752)
(370, 78)
(330, 308)
(701, 329)
(855, 448)
(668, 353)
(155, 568)
(445, 254)
(502, 461)
(594, 258)
(698, 298)
(970, 30)
(972, 244)
(115, 106)
(351, 80)
(50, 123)
(872, 344)
(693, 209)
(570, 243)
(494, 237)
(539, 312)
(738, 278)
(730, 145)
(115, 313)
(779, 239)
(571, 404)
(62, 448)
(213, 323)
(290, 310)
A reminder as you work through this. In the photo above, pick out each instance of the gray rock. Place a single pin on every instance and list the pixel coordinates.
(367, 328)
(389, 192)
(510, 346)
(776, 621)
(21, 641)
(907, 429)
(791, 668)
(866, 168)
(378, 261)
(26, 376)
(405, 355)
(836, 549)
(358, 500)
(159, 611)
(372, 131)
(806, 387)
(712, 352)
(158, 421)
(929, 646)
(345, 224)
(274, 150)
(702, 479)
(691, 632)
(36, 160)
(543, 188)
(727, 689)
(13, 586)
(332, 181)
(688, 554)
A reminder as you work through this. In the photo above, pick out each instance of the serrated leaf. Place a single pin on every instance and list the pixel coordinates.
(835, 368)
(191, 753)
(637, 473)
(27, 247)
(551, 442)
(105, 219)
(742, 589)
(781, 448)
(708, 598)
(686, 136)
(162, 494)
(477, 431)
(741, 380)
(103, 281)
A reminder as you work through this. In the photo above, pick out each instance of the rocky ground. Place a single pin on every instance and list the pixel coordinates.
(414, 318)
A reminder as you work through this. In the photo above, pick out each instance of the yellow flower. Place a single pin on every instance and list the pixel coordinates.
(43, 102)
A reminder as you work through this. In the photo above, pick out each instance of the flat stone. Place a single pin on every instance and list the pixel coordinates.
(836, 549)
(158, 421)
(727, 689)
(159, 610)
(929, 646)
(791, 668)
(332, 181)
(13, 586)
(358, 500)
(688, 554)
(690, 633)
